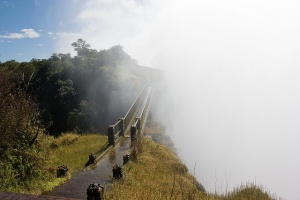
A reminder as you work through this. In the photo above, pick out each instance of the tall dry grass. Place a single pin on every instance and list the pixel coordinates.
(157, 173)
(72, 150)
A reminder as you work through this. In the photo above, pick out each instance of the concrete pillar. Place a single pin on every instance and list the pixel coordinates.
(121, 127)
(133, 134)
(138, 125)
(111, 135)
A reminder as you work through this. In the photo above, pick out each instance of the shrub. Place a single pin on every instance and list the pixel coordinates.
(23, 145)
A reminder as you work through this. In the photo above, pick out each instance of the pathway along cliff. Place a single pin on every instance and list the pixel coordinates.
(100, 173)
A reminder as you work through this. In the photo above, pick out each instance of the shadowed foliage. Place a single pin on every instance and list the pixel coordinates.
(23, 145)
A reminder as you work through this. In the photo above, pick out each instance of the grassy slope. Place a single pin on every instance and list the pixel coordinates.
(157, 173)
(72, 150)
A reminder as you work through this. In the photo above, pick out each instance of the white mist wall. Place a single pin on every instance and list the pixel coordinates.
(233, 70)
(233, 73)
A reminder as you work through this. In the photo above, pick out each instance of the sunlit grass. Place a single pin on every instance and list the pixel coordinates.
(69, 149)
(157, 173)
(73, 150)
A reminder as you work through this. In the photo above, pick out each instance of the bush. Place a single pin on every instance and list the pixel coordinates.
(23, 145)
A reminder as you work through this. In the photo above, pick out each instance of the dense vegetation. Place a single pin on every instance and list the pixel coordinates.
(83, 94)
(23, 146)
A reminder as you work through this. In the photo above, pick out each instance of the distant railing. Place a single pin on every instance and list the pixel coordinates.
(137, 113)
(139, 124)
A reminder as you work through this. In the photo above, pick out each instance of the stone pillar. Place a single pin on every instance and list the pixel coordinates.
(94, 192)
(117, 172)
(126, 159)
(61, 171)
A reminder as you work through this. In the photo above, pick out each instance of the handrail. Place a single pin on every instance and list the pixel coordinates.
(121, 126)
(140, 121)
(133, 109)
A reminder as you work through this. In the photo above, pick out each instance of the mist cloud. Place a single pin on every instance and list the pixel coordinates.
(104, 24)
(233, 74)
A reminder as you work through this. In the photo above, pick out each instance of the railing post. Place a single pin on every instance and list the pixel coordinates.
(138, 124)
(133, 134)
(111, 135)
(121, 127)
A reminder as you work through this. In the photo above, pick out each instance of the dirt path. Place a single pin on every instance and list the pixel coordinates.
(100, 173)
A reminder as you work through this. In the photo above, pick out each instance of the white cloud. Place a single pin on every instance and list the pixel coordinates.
(107, 23)
(40, 45)
(52, 35)
(25, 33)
(1, 40)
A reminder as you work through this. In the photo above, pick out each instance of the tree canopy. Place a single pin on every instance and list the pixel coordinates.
(83, 93)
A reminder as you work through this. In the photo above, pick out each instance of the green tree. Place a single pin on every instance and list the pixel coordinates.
(65, 99)
(65, 94)
(83, 49)
(67, 86)
(83, 118)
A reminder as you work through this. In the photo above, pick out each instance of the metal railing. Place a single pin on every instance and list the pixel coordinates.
(140, 121)
(137, 113)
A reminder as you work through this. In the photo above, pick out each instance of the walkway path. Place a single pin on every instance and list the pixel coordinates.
(18, 196)
(100, 173)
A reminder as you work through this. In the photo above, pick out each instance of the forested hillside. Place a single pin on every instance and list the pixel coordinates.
(82, 93)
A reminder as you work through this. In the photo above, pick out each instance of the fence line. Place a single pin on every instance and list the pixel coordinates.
(137, 114)
(141, 120)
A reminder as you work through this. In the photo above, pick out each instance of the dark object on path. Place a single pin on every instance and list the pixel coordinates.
(94, 192)
(92, 159)
(61, 170)
(117, 172)
(126, 159)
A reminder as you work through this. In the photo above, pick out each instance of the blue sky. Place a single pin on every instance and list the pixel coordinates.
(28, 28)
(37, 28)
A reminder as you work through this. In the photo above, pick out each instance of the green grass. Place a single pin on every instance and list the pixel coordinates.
(72, 150)
(155, 172)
